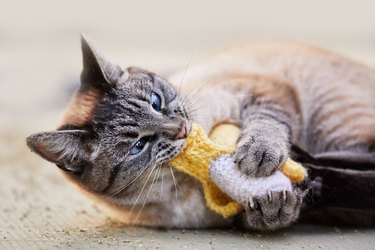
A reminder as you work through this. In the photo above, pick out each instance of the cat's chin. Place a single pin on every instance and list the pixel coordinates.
(179, 146)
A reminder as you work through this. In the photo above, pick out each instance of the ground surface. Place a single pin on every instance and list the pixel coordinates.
(39, 210)
(39, 68)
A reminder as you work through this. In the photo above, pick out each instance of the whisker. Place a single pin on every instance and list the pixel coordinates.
(158, 171)
(162, 182)
(194, 110)
(131, 182)
(193, 106)
(187, 96)
(187, 99)
(206, 83)
(174, 182)
(144, 185)
(148, 193)
(183, 75)
(201, 86)
(233, 95)
(200, 113)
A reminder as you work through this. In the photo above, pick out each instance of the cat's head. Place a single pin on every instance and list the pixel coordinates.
(121, 123)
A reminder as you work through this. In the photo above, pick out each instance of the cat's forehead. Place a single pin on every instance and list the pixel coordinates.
(135, 83)
(117, 110)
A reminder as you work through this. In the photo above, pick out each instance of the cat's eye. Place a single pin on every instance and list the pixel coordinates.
(139, 145)
(156, 101)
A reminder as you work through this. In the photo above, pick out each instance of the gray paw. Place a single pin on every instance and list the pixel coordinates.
(261, 156)
(273, 211)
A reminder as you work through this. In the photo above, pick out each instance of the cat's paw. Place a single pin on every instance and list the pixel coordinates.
(260, 156)
(273, 211)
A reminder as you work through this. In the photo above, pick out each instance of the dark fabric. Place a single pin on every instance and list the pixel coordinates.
(338, 179)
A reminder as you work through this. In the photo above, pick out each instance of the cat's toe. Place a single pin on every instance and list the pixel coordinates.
(273, 211)
(260, 158)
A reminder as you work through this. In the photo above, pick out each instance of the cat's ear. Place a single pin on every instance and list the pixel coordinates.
(65, 148)
(98, 71)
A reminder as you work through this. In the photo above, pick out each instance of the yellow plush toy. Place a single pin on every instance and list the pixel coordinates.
(208, 160)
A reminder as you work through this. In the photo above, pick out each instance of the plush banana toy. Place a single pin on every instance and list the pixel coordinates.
(225, 188)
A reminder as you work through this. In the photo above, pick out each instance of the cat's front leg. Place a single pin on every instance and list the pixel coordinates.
(270, 121)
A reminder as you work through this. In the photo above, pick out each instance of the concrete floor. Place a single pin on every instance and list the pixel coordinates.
(40, 210)
(39, 68)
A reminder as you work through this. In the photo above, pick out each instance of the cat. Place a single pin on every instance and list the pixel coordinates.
(124, 125)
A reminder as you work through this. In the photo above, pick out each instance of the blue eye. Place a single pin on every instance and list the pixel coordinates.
(155, 101)
(139, 145)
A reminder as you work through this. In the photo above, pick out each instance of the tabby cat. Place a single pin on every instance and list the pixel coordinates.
(124, 125)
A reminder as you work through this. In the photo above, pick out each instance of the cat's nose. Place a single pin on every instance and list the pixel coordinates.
(182, 133)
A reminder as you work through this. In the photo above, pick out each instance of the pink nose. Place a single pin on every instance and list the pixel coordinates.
(181, 134)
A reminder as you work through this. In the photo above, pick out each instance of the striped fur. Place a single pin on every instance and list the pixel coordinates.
(281, 94)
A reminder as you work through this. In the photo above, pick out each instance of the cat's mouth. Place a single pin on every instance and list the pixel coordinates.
(179, 142)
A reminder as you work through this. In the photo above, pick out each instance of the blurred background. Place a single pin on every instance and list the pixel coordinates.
(40, 56)
(40, 62)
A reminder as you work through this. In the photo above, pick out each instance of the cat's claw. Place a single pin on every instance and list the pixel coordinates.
(269, 195)
(251, 203)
